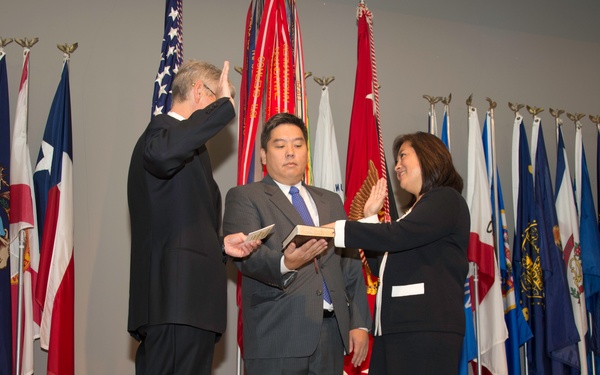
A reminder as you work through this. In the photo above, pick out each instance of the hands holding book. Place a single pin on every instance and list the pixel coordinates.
(297, 256)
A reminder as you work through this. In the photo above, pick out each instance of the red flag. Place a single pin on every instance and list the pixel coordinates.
(365, 145)
(23, 225)
(273, 76)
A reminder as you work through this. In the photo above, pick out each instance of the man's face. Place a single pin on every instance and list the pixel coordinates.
(286, 154)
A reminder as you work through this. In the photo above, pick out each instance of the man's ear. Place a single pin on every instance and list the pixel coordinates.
(263, 156)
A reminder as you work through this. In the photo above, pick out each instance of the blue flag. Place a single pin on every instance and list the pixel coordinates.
(171, 57)
(588, 235)
(5, 305)
(561, 332)
(518, 330)
(469, 347)
(446, 127)
(527, 263)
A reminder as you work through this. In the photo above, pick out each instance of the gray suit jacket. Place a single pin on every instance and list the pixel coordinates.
(282, 314)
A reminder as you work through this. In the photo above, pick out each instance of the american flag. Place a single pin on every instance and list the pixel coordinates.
(170, 59)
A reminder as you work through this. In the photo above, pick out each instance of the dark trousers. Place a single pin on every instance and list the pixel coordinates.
(423, 353)
(175, 350)
(328, 358)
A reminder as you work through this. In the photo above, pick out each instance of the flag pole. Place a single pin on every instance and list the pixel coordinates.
(432, 100)
(20, 303)
(477, 328)
(496, 211)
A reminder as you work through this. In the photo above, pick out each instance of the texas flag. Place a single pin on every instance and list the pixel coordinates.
(54, 188)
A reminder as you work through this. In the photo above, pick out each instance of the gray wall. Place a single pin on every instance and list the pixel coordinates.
(540, 53)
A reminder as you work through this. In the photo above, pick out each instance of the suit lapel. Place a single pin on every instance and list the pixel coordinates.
(276, 196)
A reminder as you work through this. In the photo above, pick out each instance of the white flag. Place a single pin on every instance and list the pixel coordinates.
(326, 162)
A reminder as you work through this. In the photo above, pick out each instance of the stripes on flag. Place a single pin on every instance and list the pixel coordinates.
(54, 189)
(171, 57)
(23, 226)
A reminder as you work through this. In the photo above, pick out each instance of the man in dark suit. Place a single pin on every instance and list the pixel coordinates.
(177, 292)
(289, 326)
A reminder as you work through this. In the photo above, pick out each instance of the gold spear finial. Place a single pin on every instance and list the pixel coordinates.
(492, 103)
(556, 112)
(67, 49)
(447, 99)
(5, 42)
(534, 110)
(26, 42)
(516, 107)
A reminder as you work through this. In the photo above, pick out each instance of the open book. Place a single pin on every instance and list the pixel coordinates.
(302, 233)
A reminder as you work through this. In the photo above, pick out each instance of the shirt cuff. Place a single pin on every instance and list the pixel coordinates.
(283, 268)
(370, 219)
(339, 237)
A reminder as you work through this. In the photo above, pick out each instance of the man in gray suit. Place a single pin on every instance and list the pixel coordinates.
(290, 327)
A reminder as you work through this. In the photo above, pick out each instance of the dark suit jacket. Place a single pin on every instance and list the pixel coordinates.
(429, 247)
(177, 269)
(282, 314)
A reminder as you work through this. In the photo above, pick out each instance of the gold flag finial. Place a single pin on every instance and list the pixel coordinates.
(238, 69)
(67, 49)
(447, 99)
(324, 81)
(516, 107)
(5, 42)
(534, 110)
(470, 100)
(575, 117)
(556, 112)
(595, 119)
(26, 42)
(432, 99)
(492, 103)
(307, 74)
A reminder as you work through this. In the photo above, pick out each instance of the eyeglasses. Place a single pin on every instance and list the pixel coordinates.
(208, 88)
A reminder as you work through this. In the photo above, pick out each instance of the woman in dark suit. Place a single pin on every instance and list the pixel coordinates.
(419, 314)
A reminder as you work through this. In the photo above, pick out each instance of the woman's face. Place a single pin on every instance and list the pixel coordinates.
(408, 169)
